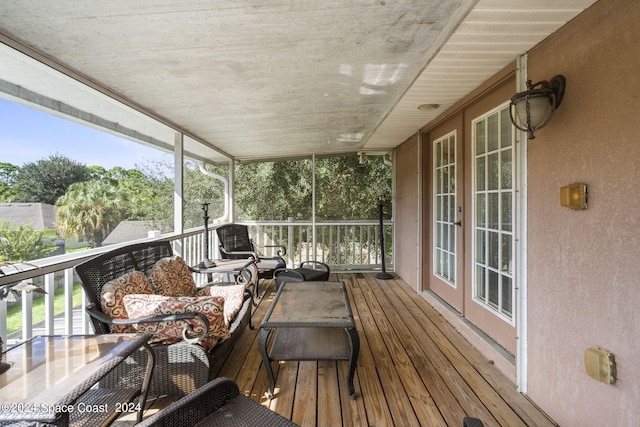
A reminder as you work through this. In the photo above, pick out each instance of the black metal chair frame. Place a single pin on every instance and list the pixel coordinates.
(235, 243)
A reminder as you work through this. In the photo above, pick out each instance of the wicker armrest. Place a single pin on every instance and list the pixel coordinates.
(187, 333)
(248, 254)
(195, 406)
(282, 251)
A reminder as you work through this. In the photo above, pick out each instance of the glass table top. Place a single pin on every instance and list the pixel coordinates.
(310, 304)
(46, 368)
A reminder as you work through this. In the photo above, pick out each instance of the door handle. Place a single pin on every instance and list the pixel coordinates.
(458, 223)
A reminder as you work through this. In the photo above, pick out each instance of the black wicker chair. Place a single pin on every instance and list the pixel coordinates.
(218, 403)
(181, 368)
(309, 271)
(236, 244)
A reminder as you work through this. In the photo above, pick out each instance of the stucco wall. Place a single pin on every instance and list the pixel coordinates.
(406, 213)
(584, 266)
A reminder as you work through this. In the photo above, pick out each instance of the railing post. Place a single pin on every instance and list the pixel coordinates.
(3, 322)
(86, 327)
(290, 240)
(27, 314)
(50, 289)
(68, 301)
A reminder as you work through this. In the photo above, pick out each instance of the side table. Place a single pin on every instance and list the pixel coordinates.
(51, 380)
(238, 267)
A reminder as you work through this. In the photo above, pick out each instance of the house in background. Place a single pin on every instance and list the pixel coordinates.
(39, 215)
(127, 231)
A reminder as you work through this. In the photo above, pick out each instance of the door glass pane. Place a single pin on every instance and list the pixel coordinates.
(481, 173)
(493, 289)
(506, 173)
(506, 211)
(493, 137)
(481, 243)
(507, 296)
(506, 129)
(506, 264)
(452, 208)
(492, 249)
(452, 181)
(452, 149)
(481, 210)
(492, 172)
(452, 268)
(492, 211)
(480, 138)
(480, 279)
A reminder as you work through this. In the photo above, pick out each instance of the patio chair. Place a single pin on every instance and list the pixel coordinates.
(217, 403)
(309, 271)
(236, 244)
(181, 367)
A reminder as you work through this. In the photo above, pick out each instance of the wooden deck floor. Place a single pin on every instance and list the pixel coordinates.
(414, 369)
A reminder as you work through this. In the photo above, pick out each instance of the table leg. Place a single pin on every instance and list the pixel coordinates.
(354, 339)
(262, 346)
(146, 383)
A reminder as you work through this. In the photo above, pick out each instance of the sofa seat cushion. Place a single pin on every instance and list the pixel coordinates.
(113, 292)
(233, 295)
(171, 277)
(138, 306)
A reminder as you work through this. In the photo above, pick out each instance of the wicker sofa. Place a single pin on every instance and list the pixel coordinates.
(181, 367)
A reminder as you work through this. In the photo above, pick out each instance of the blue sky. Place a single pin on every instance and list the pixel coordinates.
(28, 135)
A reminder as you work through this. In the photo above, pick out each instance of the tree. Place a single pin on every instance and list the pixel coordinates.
(23, 243)
(47, 179)
(274, 190)
(349, 190)
(8, 174)
(89, 210)
(345, 189)
(198, 188)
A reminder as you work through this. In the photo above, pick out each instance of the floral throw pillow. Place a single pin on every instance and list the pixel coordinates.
(112, 293)
(171, 331)
(171, 277)
(233, 298)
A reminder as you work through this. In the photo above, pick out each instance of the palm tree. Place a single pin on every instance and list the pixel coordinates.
(90, 211)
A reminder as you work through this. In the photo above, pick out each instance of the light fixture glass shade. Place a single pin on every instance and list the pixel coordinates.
(540, 108)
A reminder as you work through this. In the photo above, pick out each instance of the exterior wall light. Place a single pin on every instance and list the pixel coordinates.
(534, 107)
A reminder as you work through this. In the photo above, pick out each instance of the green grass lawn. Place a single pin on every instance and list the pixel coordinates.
(14, 313)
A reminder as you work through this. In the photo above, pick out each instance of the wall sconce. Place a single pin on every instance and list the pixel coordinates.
(534, 107)
(574, 196)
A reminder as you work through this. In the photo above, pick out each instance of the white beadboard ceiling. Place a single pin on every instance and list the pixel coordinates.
(262, 79)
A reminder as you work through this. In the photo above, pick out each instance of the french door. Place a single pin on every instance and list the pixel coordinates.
(447, 267)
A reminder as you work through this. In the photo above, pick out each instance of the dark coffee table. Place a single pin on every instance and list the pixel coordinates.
(312, 321)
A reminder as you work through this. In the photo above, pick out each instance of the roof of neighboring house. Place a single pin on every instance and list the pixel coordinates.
(39, 215)
(129, 230)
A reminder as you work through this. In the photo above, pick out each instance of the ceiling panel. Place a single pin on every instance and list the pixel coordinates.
(269, 78)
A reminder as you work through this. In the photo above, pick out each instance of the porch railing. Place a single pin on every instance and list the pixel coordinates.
(344, 245)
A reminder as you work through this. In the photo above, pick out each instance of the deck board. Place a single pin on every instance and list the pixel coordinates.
(414, 369)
